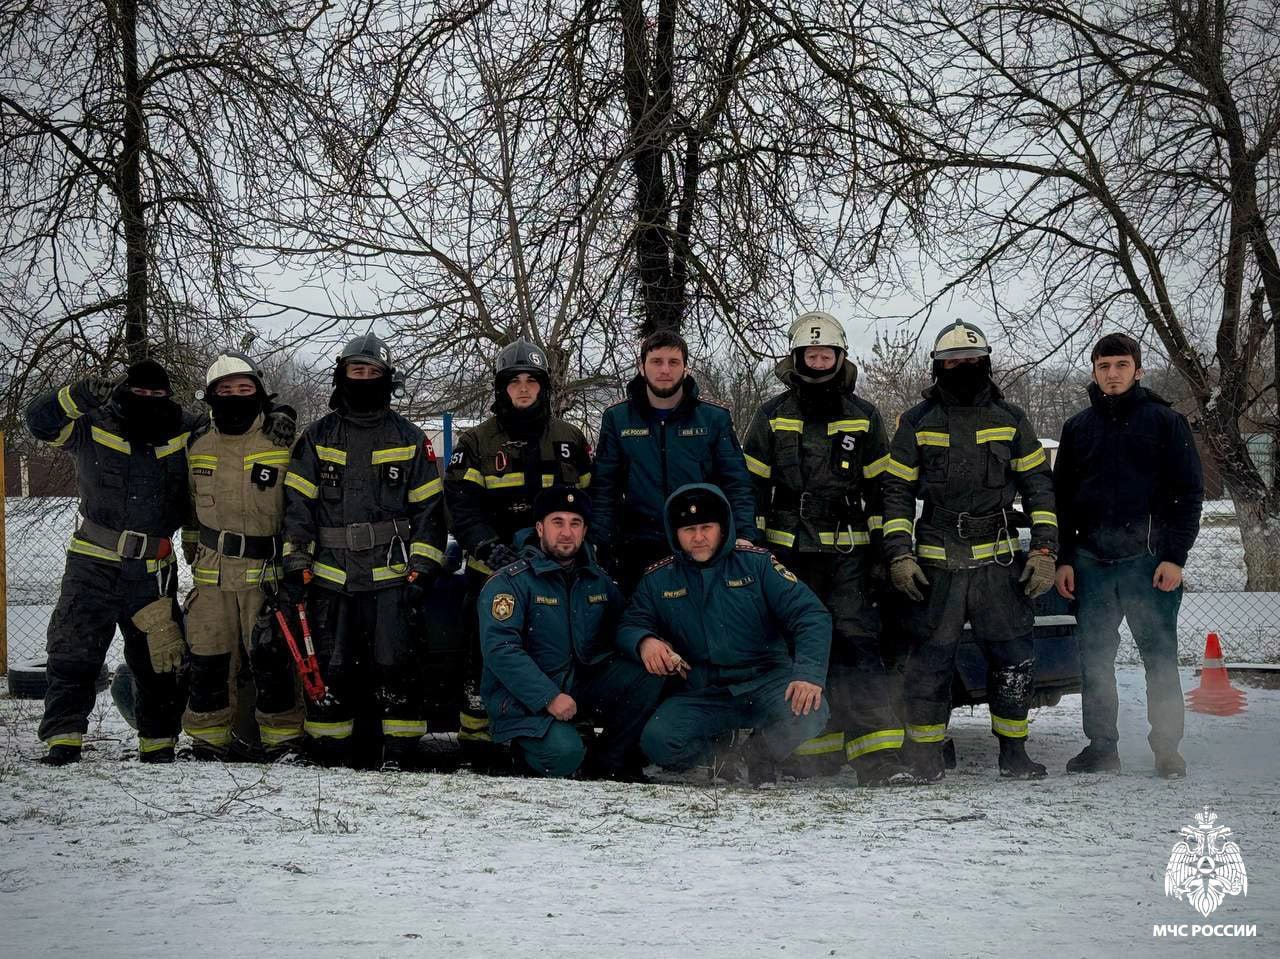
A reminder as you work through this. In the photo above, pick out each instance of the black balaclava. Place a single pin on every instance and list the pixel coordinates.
(234, 415)
(364, 396)
(818, 392)
(148, 419)
(965, 381)
(527, 423)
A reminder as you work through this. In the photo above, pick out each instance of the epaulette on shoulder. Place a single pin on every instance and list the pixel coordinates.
(514, 569)
(740, 548)
(665, 561)
(713, 403)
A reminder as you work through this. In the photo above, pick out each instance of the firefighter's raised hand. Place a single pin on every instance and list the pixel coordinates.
(907, 577)
(93, 391)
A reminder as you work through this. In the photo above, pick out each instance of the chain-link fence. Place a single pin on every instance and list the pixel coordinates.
(37, 530)
(1215, 599)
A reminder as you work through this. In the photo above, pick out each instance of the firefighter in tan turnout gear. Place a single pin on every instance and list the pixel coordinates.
(237, 471)
(815, 452)
(967, 454)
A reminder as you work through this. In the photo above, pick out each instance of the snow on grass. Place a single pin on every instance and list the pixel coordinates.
(116, 859)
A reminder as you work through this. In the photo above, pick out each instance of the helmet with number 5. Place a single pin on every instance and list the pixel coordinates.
(960, 341)
(817, 328)
(521, 357)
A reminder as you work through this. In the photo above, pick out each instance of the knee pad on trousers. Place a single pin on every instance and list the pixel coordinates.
(1011, 689)
(209, 676)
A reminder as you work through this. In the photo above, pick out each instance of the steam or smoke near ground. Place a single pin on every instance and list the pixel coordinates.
(116, 859)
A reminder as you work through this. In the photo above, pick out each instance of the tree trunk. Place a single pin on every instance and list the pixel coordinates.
(1260, 534)
(1257, 507)
(129, 172)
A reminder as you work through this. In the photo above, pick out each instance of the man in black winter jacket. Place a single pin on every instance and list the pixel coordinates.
(1129, 491)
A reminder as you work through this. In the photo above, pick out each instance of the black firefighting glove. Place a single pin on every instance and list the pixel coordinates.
(1039, 573)
(907, 577)
(281, 425)
(418, 585)
(496, 555)
(93, 391)
(293, 586)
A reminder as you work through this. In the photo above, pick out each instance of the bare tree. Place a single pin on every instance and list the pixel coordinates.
(1116, 164)
(152, 157)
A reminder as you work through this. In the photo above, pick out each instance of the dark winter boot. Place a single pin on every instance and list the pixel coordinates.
(1097, 757)
(402, 754)
(1171, 765)
(161, 756)
(201, 751)
(884, 768)
(329, 751)
(925, 763)
(61, 755)
(1015, 763)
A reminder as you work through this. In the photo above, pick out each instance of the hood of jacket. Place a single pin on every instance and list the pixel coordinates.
(730, 532)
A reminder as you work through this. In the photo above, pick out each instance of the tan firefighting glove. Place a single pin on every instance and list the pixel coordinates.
(1039, 572)
(164, 636)
(907, 577)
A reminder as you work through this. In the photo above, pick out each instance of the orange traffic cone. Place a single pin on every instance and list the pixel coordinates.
(1215, 694)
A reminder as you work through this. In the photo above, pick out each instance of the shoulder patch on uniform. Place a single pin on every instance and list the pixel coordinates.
(428, 449)
(503, 605)
(782, 571)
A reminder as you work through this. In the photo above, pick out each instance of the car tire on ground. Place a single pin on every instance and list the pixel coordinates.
(29, 680)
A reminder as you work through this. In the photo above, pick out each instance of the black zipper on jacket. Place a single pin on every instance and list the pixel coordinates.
(662, 450)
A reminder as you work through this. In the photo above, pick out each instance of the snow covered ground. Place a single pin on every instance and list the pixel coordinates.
(114, 859)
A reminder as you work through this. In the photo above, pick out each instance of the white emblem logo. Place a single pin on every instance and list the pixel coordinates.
(1205, 867)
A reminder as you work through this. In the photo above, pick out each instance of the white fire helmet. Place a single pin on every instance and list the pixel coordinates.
(960, 341)
(817, 328)
(227, 364)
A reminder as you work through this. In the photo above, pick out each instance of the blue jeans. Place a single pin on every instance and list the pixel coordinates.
(684, 729)
(1108, 591)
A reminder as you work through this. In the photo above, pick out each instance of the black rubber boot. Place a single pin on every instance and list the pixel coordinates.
(884, 768)
(161, 756)
(328, 751)
(1095, 758)
(925, 763)
(1015, 763)
(1171, 765)
(61, 755)
(402, 754)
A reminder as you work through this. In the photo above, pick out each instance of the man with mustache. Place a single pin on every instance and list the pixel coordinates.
(547, 628)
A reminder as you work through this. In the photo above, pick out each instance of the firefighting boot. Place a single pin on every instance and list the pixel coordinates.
(402, 754)
(329, 751)
(1014, 761)
(1171, 765)
(61, 754)
(1097, 757)
(925, 763)
(884, 768)
(160, 755)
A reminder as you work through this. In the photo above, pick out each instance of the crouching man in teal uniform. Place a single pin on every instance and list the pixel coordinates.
(547, 629)
(721, 618)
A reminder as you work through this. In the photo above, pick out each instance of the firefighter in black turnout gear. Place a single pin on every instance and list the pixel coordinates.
(494, 476)
(365, 528)
(815, 452)
(129, 443)
(967, 454)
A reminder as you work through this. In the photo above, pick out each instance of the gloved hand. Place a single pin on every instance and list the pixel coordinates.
(165, 643)
(499, 555)
(907, 577)
(293, 586)
(281, 425)
(93, 391)
(1039, 573)
(419, 583)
